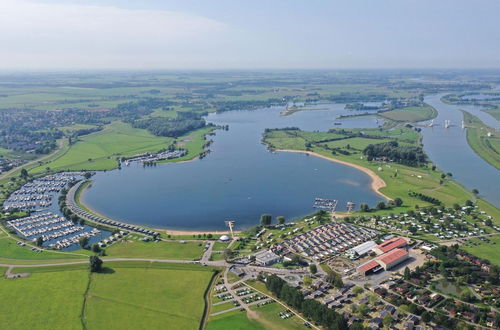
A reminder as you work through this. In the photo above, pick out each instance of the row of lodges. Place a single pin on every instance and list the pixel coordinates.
(82, 213)
(325, 241)
(391, 253)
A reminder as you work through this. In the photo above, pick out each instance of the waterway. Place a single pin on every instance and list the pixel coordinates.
(239, 180)
(449, 150)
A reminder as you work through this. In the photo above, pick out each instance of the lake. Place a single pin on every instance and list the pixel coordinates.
(238, 180)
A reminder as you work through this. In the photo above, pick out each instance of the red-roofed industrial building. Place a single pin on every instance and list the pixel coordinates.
(385, 261)
(370, 266)
(389, 245)
(391, 259)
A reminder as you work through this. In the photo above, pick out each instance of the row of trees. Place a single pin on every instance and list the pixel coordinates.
(169, 127)
(267, 219)
(310, 308)
(407, 155)
(382, 205)
(425, 198)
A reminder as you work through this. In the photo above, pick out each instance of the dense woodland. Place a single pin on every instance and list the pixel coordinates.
(392, 151)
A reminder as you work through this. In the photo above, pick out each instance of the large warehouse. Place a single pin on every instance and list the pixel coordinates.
(390, 244)
(391, 259)
(385, 261)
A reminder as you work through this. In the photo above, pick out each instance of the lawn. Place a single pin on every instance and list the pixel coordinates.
(485, 250)
(160, 250)
(146, 299)
(99, 151)
(269, 315)
(412, 114)
(235, 320)
(487, 147)
(43, 300)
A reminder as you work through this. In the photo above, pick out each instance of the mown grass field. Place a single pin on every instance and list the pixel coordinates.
(486, 250)
(126, 295)
(235, 320)
(146, 299)
(412, 114)
(160, 250)
(99, 151)
(486, 147)
(269, 315)
(43, 300)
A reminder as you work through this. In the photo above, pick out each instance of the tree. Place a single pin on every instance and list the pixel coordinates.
(281, 219)
(364, 207)
(357, 290)
(24, 173)
(95, 264)
(313, 269)
(87, 175)
(426, 317)
(381, 206)
(265, 219)
(362, 310)
(398, 201)
(96, 248)
(39, 241)
(475, 192)
(84, 240)
(338, 283)
(388, 320)
(407, 273)
(227, 254)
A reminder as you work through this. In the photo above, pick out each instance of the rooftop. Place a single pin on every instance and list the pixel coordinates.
(393, 256)
(392, 244)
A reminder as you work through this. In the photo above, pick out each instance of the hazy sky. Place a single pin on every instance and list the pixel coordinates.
(250, 34)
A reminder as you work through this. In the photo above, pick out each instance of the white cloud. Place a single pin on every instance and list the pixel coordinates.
(42, 35)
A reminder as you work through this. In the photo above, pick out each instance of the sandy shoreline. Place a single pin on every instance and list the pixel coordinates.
(377, 182)
(194, 232)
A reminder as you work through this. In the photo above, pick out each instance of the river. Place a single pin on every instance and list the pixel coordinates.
(449, 150)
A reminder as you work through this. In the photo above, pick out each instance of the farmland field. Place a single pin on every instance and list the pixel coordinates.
(43, 300)
(146, 298)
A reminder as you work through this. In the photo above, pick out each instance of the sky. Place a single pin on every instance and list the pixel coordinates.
(241, 34)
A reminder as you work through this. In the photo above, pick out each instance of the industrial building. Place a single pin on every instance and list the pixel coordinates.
(362, 249)
(393, 258)
(266, 258)
(390, 244)
(385, 261)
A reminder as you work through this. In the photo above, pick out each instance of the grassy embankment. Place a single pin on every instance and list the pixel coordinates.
(125, 295)
(487, 147)
(161, 250)
(410, 114)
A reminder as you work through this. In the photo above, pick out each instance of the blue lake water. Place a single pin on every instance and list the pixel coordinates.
(238, 180)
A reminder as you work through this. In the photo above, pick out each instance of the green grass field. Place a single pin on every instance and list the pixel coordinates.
(269, 314)
(102, 148)
(486, 250)
(487, 147)
(235, 320)
(160, 250)
(126, 295)
(146, 299)
(412, 114)
(43, 300)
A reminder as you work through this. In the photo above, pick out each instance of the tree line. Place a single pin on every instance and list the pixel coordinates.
(310, 308)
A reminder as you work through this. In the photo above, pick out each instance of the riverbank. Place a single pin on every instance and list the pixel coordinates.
(376, 184)
(483, 139)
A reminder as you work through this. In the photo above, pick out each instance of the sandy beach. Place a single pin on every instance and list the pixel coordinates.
(194, 232)
(377, 182)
